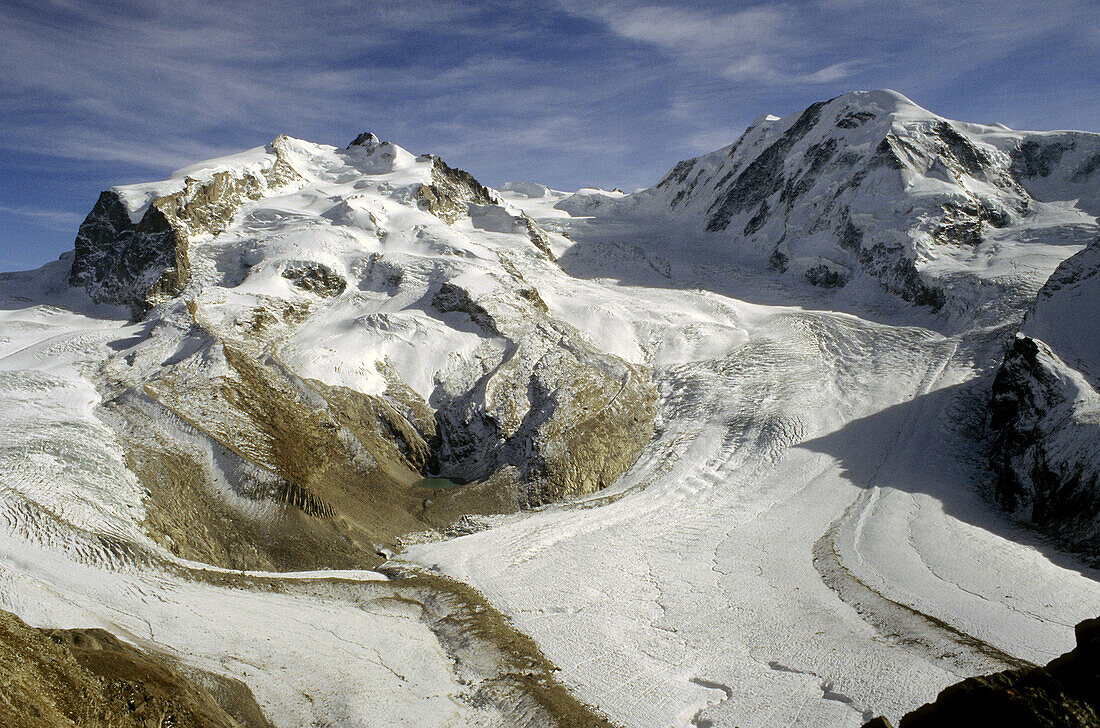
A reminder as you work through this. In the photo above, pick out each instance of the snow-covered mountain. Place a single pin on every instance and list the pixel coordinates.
(709, 453)
(327, 326)
(1046, 407)
(870, 183)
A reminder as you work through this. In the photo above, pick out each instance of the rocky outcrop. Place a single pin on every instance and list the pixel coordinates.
(315, 277)
(129, 264)
(1064, 694)
(454, 193)
(556, 416)
(1062, 165)
(451, 191)
(136, 263)
(90, 679)
(1045, 409)
(366, 139)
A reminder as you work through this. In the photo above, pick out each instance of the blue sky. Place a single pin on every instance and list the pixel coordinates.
(563, 92)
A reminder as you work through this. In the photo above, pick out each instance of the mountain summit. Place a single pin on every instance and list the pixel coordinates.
(345, 322)
(870, 183)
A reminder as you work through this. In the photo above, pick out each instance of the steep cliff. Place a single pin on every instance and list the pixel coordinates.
(133, 247)
(1045, 408)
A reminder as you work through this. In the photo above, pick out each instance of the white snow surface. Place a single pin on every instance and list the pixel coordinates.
(69, 511)
(806, 542)
(1061, 315)
(138, 197)
(812, 501)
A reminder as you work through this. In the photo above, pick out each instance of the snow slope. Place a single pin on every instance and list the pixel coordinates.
(73, 551)
(806, 536)
(808, 540)
(379, 298)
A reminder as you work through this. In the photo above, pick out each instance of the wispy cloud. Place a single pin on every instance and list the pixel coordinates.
(765, 43)
(809, 43)
(53, 219)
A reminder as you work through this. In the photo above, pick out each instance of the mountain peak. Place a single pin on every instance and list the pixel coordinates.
(884, 100)
(366, 139)
(869, 183)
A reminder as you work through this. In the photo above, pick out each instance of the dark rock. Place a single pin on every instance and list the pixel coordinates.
(1060, 497)
(1035, 159)
(757, 220)
(366, 139)
(970, 157)
(1044, 451)
(538, 237)
(854, 119)
(1086, 168)
(137, 264)
(779, 261)
(315, 278)
(762, 177)
(813, 162)
(451, 298)
(451, 191)
(895, 271)
(679, 173)
(1064, 694)
(120, 262)
(822, 275)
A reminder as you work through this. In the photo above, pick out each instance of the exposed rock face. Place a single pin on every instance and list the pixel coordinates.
(869, 183)
(558, 416)
(1064, 694)
(314, 358)
(1061, 159)
(366, 139)
(120, 262)
(90, 679)
(451, 190)
(315, 277)
(136, 263)
(1045, 409)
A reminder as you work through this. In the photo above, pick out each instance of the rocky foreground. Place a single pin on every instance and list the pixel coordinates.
(1064, 694)
(88, 678)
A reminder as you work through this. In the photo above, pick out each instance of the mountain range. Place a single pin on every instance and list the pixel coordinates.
(800, 435)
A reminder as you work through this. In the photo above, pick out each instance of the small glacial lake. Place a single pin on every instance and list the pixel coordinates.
(439, 483)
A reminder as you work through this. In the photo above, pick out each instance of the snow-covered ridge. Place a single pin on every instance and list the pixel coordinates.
(1046, 407)
(133, 247)
(871, 184)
